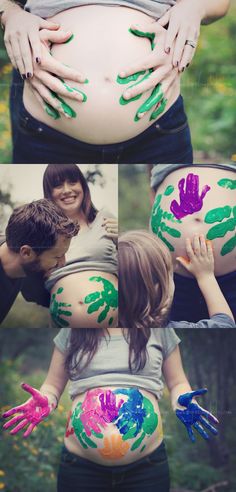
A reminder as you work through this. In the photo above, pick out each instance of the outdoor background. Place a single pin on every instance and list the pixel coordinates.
(103, 183)
(208, 87)
(209, 360)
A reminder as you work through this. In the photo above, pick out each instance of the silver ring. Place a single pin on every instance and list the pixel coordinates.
(191, 43)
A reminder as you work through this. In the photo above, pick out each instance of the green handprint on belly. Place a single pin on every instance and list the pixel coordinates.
(108, 297)
(57, 310)
(223, 226)
(158, 216)
(227, 183)
(156, 99)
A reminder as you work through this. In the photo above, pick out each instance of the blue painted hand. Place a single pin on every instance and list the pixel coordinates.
(195, 416)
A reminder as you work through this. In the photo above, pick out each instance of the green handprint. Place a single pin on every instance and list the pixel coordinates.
(158, 226)
(107, 297)
(56, 311)
(223, 227)
(156, 99)
(149, 424)
(227, 183)
(78, 427)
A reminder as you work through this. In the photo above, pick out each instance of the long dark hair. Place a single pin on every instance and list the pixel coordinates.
(84, 343)
(56, 174)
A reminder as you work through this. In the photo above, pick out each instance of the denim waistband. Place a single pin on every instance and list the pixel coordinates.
(52, 133)
(159, 454)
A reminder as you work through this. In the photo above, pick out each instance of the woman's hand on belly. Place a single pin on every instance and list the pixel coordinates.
(156, 72)
(48, 84)
(114, 425)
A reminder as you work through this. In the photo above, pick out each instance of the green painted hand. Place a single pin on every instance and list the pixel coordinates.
(158, 217)
(108, 297)
(225, 220)
(57, 310)
(156, 99)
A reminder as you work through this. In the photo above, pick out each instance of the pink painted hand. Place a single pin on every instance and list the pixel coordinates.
(191, 200)
(32, 412)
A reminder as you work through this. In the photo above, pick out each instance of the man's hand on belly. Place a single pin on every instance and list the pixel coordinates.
(48, 83)
(157, 70)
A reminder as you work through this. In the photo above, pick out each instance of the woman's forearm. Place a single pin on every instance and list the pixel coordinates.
(56, 378)
(213, 10)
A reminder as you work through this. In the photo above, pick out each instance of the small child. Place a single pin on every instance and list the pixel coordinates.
(146, 286)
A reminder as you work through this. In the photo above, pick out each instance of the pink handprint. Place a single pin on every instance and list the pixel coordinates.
(190, 199)
(98, 409)
(32, 412)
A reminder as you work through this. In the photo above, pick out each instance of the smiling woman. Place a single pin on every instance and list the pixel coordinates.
(84, 291)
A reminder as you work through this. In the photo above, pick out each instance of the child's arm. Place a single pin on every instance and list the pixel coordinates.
(183, 404)
(42, 402)
(201, 266)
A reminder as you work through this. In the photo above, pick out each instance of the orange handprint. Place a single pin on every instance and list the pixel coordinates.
(114, 447)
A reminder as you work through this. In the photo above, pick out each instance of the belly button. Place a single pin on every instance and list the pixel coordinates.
(107, 78)
(197, 219)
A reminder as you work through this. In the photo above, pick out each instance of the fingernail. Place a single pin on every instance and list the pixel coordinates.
(167, 50)
(38, 60)
(29, 75)
(183, 69)
(23, 76)
(187, 65)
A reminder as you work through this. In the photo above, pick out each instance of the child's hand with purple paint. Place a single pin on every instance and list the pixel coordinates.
(200, 261)
(30, 413)
(190, 198)
(195, 416)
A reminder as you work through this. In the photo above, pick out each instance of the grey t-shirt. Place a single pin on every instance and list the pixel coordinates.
(160, 171)
(219, 320)
(47, 8)
(110, 367)
(91, 249)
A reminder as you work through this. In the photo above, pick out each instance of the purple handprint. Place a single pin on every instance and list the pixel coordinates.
(98, 409)
(190, 199)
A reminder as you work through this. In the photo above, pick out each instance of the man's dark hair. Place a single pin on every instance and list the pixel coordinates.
(38, 224)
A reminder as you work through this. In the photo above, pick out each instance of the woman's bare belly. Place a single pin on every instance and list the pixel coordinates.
(99, 50)
(114, 426)
(212, 214)
(86, 299)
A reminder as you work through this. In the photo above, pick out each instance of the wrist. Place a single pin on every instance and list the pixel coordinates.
(205, 278)
(201, 7)
(7, 9)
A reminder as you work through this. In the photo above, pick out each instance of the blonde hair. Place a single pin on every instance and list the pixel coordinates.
(145, 269)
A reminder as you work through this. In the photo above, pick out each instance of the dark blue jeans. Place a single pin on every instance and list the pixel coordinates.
(167, 141)
(150, 474)
(189, 303)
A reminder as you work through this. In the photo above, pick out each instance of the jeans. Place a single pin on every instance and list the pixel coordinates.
(167, 141)
(189, 303)
(149, 474)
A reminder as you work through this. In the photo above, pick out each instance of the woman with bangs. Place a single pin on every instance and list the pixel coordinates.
(84, 291)
(114, 436)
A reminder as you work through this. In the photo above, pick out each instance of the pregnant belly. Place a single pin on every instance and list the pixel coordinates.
(85, 300)
(199, 200)
(100, 50)
(114, 426)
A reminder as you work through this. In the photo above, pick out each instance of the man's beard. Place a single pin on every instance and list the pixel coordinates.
(33, 267)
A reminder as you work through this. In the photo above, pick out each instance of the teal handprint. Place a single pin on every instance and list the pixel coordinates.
(218, 215)
(108, 297)
(158, 216)
(57, 309)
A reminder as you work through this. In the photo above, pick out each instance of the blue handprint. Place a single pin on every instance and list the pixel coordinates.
(195, 416)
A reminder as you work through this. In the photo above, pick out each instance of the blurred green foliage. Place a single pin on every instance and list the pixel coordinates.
(208, 87)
